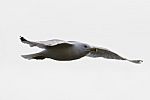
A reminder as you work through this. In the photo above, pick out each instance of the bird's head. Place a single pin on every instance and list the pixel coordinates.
(84, 47)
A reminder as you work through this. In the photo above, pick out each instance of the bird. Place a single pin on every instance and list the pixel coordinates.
(62, 50)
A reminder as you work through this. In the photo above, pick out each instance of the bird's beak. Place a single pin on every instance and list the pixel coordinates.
(93, 49)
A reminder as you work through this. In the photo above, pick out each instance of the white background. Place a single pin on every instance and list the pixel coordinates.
(122, 26)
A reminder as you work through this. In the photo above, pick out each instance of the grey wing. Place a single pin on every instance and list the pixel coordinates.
(46, 44)
(105, 53)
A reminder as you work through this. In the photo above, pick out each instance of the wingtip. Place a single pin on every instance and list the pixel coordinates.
(22, 39)
(26, 57)
(136, 61)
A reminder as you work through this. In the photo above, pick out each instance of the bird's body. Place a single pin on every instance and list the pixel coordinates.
(64, 53)
(69, 50)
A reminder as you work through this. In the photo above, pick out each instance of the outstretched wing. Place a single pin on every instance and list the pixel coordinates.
(105, 53)
(46, 44)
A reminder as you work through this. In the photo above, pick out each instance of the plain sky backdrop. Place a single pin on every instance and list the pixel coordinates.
(122, 26)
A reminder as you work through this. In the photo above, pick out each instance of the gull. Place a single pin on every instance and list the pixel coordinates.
(69, 50)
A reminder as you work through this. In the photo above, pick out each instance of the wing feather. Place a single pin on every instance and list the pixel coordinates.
(105, 53)
(46, 44)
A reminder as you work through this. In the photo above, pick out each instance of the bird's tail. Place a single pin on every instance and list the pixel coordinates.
(37, 56)
(136, 61)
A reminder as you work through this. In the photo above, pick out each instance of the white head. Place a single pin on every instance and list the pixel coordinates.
(82, 48)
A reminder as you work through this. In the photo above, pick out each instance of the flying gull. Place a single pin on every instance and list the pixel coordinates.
(69, 50)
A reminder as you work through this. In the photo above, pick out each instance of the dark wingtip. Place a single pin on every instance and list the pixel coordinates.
(136, 61)
(22, 39)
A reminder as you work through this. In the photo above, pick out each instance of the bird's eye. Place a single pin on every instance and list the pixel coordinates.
(85, 46)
